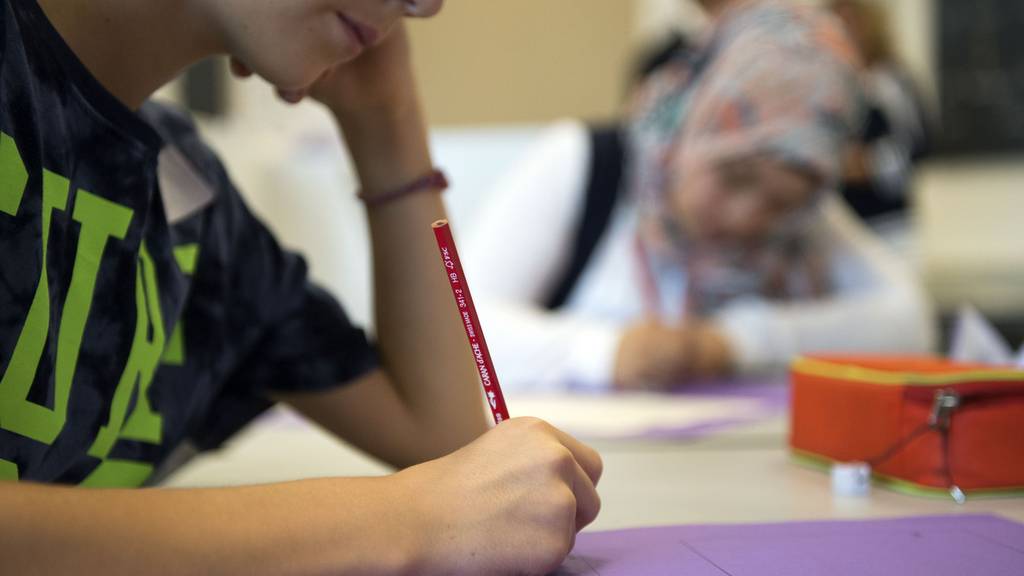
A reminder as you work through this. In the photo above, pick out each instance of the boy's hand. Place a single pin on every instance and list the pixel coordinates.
(375, 102)
(379, 80)
(509, 503)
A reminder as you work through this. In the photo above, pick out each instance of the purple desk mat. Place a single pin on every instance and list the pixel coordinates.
(965, 545)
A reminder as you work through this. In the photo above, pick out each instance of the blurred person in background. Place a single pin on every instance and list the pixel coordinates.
(722, 250)
(878, 168)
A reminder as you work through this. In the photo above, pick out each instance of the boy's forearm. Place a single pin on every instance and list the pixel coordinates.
(388, 146)
(421, 341)
(340, 526)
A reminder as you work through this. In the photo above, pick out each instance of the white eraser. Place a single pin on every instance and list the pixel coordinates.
(851, 479)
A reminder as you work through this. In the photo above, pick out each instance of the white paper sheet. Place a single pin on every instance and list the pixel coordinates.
(976, 340)
(634, 414)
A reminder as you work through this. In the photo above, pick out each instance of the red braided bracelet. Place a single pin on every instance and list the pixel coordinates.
(434, 180)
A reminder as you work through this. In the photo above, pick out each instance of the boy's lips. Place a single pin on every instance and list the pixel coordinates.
(364, 35)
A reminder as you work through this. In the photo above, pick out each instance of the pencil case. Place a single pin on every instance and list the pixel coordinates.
(925, 425)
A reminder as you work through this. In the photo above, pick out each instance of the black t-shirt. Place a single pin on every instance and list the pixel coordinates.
(141, 304)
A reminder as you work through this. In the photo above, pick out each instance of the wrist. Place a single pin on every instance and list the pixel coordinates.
(416, 534)
(434, 181)
(388, 148)
(331, 525)
(397, 109)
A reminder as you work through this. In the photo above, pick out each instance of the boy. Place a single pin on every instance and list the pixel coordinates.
(143, 307)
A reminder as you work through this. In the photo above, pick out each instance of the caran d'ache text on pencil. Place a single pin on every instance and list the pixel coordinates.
(470, 321)
(467, 322)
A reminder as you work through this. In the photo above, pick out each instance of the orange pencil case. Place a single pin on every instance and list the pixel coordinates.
(926, 425)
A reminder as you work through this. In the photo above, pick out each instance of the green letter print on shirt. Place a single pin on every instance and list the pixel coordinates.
(13, 176)
(143, 424)
(100, 219)
(8, 470)
(187, 256)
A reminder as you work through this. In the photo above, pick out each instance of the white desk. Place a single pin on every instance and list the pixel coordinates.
(741, 476)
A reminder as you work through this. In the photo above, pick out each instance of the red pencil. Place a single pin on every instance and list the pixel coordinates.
(470, 321)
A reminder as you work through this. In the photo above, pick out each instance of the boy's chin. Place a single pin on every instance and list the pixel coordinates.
(290, 85)
(290, 80)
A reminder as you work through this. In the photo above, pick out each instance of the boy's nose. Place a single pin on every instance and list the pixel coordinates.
(422, 8)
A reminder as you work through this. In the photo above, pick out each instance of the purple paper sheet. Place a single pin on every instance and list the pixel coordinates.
(923, 546)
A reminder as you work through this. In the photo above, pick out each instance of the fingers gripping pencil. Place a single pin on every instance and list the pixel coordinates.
(470, 320)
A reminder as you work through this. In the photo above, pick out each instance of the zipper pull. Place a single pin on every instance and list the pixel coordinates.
(946, 401)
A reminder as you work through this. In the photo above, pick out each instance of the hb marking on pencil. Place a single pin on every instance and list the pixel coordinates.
(470, 321)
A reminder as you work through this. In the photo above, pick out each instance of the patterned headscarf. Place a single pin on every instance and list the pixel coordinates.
(770, 79)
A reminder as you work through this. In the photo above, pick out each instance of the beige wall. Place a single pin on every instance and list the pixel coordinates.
(497, 61)
(514, 61)
(913, 24)
(500, 61)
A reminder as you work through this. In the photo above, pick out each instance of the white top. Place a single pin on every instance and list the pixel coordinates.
(523, 238)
